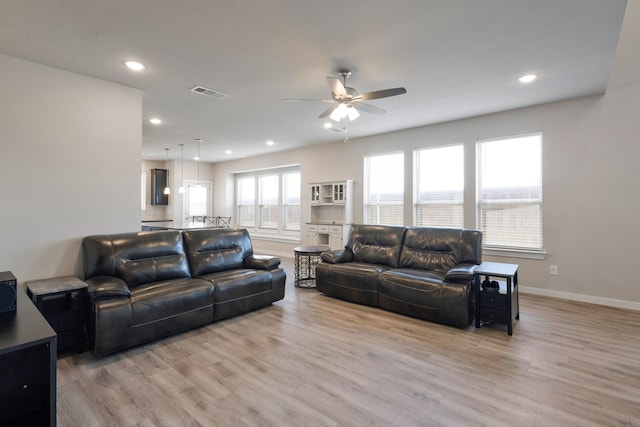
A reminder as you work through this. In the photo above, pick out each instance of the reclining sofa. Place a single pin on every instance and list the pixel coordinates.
(147, 285)
(420, 272)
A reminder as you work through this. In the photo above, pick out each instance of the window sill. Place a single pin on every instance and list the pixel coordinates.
(514, 253)
(275, 237)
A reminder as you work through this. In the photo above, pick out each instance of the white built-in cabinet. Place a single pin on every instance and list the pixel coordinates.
(331, 214)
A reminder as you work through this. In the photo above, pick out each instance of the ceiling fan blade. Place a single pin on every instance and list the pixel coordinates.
(337, 87)
(368, 108)
(385, 93)
(327, 112)
(312, 100)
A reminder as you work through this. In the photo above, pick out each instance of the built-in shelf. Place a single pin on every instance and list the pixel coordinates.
(331, 214)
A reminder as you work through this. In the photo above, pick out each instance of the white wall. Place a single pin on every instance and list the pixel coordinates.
(69, 159)
(591, 191)
(591, 178)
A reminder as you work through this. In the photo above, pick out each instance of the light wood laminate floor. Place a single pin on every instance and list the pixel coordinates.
(311, 360)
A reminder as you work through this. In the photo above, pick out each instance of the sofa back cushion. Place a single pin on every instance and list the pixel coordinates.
(216, 249)
(136, 258)
(376, 244)
(439, 249)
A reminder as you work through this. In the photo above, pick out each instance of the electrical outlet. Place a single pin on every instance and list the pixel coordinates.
(553, 270)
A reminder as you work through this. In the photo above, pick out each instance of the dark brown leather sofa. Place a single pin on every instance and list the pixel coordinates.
(147, 285)
(421, 272)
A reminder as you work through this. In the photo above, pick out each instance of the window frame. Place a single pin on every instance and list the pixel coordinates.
(286, 205)
(367, 184)
(514, 248)
(250, 207)
(259, 227)
(458, 202)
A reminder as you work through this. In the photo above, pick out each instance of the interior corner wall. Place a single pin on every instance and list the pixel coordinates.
(69, 165)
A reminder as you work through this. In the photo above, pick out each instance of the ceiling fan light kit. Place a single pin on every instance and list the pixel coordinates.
(346, 100)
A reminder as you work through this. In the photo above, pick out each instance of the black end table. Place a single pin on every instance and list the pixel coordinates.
(27, 367)
(62, 301)
(500, 304)
(305, 260)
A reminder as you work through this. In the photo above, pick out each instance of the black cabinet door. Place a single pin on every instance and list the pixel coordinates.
(159, 180)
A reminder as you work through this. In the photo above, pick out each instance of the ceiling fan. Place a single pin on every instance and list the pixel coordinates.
(346, 100)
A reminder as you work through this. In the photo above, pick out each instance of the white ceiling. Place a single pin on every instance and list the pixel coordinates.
(456, 58)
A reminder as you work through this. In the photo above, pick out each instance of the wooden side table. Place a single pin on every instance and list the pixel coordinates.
(499, 305)
(305, 260)
(62, 301)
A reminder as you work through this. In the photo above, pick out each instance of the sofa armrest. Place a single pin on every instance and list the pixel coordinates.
(337, 256)
(262, 262)
(460, 273)
(104, 287)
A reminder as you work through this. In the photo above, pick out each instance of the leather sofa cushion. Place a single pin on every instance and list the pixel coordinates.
(165, 299)
(262, 262)
(239, 283)
(239, 291)
(351, 281)
(214, 250)
(424, 295)
(430, 249)
(417, 293)
(376, 244)
(104, 287)
(141, 271)
(136, 258)
(405, 282)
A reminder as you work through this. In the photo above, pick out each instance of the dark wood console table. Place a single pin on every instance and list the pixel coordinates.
(27, 367)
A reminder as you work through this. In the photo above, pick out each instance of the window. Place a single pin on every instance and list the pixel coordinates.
(509, 192)
(384, 189)
(196, 198)
(439, 186)
(268, 194)
(143, 191)
(246, 201)
(291, 201)
(269, 200)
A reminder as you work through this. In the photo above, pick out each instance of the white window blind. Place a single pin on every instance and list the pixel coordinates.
(246, 201)
(439, 186)
(509, 192)
(291, 200)
(268, 201)
(384, 189)
(197, 199)
(268, 196)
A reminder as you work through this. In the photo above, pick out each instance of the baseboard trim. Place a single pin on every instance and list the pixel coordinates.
(610, 302)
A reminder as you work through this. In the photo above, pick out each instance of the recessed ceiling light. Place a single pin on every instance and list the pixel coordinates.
(135, 66)
(270, 142)
(327, 125)
(155, 120)
(228, 152)
(527, 78)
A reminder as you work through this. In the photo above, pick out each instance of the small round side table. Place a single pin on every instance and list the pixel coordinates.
(305, 260)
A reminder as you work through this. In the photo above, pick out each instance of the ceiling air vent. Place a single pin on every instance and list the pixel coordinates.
(208, 92)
